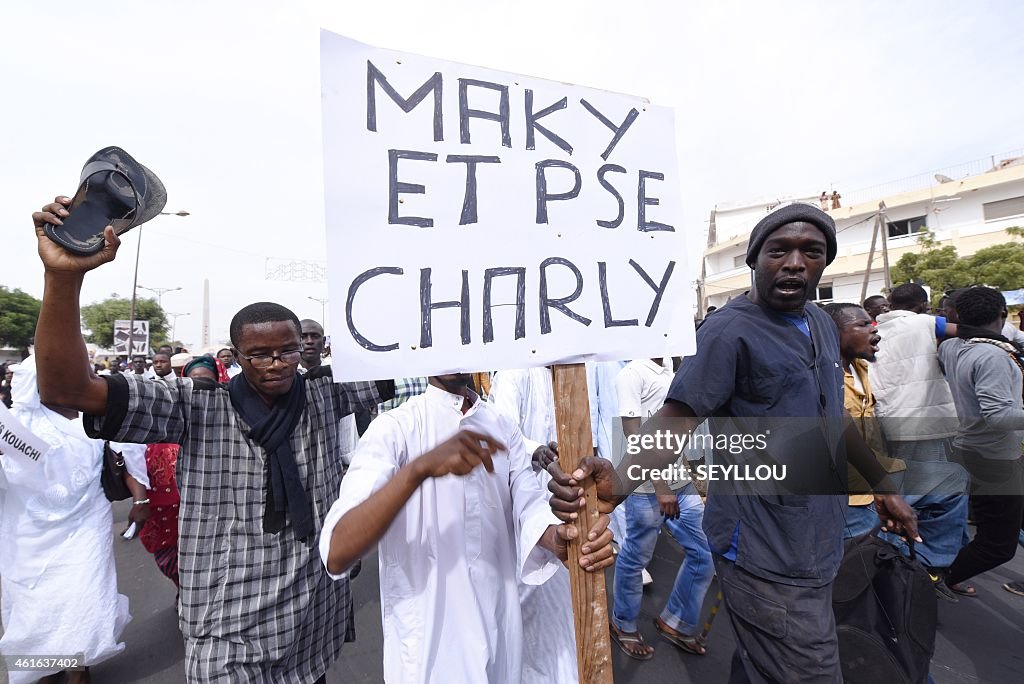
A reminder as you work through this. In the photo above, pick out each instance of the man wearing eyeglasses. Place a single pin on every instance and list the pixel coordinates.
(258, 471)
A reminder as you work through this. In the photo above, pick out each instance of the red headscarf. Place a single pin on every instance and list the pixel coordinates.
(222, 372)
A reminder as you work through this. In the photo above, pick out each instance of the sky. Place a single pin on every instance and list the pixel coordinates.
(221, 100)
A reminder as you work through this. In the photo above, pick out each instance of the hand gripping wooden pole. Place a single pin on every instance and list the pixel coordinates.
(589, 603)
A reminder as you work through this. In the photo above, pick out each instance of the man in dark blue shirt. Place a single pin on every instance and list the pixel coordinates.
(768, 364)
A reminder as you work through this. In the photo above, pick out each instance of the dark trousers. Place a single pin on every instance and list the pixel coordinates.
(783, 633)
(997, 498)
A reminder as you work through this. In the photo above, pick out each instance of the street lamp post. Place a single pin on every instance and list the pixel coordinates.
(159, 292)
(174, 324)
(323, 309)
(135, 283)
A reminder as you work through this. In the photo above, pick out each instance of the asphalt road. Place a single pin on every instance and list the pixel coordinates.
(979, 640)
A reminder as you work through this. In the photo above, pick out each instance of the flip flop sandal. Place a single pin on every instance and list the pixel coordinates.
(964, 589)
(632, 639)
(690, 644)
(114, 190)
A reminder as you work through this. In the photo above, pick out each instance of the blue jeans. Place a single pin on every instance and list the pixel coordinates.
(643, 521)
(936, 490)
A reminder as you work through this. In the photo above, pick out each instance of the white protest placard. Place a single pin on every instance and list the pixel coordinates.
(140, 339)
(17, 440)
(480, 220)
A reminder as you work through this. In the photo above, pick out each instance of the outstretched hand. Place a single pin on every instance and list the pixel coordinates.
(567, 494)
(57, 259)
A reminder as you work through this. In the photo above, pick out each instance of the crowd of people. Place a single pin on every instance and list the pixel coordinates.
(258, 483)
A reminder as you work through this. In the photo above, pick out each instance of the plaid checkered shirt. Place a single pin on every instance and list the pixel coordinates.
(405, 389)
(255, 607)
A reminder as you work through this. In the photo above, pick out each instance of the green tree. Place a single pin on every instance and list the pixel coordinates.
(99, 319)
(938, 267)
(19, 312)
(999, 266)
(941, 268)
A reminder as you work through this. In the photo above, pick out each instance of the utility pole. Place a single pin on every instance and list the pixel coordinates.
(881, 226)
(871, 258)
(887, 277)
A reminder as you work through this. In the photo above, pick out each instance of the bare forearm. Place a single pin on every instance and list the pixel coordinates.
(630, 426)
(674, 418)
(64, 376)
(363, 526)
(135, 487)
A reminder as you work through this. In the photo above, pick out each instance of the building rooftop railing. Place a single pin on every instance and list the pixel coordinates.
(935, 177)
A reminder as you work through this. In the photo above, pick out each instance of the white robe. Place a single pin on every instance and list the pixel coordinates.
(527, 398)
(450, 561)
(58, 584)
(348, 437)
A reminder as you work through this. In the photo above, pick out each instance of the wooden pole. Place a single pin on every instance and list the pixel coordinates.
(589, 602)
(871, 258)
(885, 248)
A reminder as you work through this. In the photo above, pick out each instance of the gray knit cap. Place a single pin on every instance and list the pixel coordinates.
(792, 213)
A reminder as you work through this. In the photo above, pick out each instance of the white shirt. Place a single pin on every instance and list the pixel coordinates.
(134, 461)
(1011, 333)
(642, 387)
(450, 560)
(604, 405)
(348, 437)
(527, 398)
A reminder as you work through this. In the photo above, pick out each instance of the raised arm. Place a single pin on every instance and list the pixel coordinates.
(65, 376)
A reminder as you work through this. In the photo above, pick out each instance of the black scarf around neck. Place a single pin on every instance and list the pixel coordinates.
(272, 428)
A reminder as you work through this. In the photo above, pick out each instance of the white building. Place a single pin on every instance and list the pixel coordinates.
(969, 214)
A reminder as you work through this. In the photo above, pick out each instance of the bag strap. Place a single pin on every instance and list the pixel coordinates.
(108, 452)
